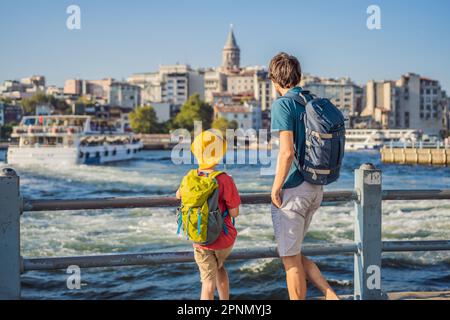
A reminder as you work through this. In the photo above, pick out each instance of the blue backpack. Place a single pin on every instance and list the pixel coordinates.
(325, 139)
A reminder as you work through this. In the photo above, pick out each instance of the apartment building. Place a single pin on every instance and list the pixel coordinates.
(264, 90)
(343, 92)
(124, 95)
(171, 83)
(411, 102)
(97, 90)
(247, 115)
(215, 82)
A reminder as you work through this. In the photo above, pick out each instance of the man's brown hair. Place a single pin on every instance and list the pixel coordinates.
(285, 70)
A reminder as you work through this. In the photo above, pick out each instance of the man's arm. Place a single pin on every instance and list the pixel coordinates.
(284, 162)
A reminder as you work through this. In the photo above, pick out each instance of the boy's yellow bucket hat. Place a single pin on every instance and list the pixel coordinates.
(208, 148)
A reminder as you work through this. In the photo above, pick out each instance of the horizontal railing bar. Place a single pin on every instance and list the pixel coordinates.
(430, 245)
(257, 198)
(416, 194)
(147, 202)
(158, 258)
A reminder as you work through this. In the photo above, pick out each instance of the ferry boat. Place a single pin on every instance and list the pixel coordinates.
(371, 139)
(69, 140)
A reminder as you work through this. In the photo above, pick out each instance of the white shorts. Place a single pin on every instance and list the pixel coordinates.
(291, 221)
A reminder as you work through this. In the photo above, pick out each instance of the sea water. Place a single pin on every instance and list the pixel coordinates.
(89, 232)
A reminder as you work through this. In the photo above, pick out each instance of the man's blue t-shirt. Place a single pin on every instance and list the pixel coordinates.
(286, 115)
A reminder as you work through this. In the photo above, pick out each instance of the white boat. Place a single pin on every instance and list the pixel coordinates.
(371, 139)
(69, 140)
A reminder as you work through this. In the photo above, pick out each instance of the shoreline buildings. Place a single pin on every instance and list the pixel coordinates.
(410, 102)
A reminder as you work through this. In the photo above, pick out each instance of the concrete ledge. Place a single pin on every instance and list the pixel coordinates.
(426, 295)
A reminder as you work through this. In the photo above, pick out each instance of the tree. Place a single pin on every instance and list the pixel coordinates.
(6, 130)
(29, 104)
(144, 120)
(194, 109)
(223, 124)
(6, 100)
(84, 100)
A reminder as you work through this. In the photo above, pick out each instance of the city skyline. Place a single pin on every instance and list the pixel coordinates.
(409, 41)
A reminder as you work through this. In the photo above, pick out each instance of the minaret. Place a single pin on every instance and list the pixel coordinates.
(231, 52)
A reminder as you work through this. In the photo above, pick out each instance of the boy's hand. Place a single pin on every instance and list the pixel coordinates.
(276, 197)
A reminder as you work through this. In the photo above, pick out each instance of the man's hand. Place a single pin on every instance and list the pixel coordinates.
(285, 158)
(276, 197)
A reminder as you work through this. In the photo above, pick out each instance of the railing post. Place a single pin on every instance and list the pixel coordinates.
(367, 273)
(10, 260)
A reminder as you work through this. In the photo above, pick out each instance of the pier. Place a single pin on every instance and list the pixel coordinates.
(367, 246)
(432, 156)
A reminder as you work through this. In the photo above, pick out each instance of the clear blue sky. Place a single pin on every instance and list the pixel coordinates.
(119, 38)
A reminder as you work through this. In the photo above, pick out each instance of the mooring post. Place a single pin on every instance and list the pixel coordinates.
(367, 273)
(10, 260)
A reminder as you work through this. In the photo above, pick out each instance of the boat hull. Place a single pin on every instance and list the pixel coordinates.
(71, 156)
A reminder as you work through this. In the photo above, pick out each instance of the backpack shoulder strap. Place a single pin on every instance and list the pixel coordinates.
(215, 174)
(303, 97)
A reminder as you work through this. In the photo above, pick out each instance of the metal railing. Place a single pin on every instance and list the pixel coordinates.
(366, 248)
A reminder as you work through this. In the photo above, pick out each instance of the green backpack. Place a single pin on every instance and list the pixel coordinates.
(199, 215)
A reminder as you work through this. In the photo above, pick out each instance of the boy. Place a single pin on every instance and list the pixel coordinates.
(294, 201)
(209, 149)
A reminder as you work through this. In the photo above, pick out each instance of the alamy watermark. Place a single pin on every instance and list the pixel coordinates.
(374, 19)
(73, 21)
(73, 281)
(239, 141)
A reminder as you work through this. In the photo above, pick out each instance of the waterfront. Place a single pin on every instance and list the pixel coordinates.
(143, 230)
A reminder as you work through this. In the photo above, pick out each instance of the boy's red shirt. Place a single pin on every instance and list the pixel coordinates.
(228, 199)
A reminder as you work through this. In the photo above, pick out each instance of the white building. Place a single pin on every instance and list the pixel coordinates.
(172, 84)
(24, 88)
(125, 95)
(247, 115)
(215, 82)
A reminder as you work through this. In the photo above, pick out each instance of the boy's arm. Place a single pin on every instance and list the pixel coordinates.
(233, 212)
(284, 162)
(231, 197)
(178, 194)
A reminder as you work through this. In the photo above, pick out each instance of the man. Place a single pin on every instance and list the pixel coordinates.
(294, 201)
